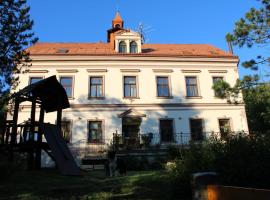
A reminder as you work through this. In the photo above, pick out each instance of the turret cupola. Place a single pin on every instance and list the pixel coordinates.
(117, 22)
(123, 40)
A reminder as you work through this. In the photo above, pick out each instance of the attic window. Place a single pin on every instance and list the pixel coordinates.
(62, 50)
(122, 47)
(133, 47)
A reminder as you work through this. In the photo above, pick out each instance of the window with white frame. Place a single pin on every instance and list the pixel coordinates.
(224, 127)
(133, 47)
(217, 79)
(130, 87)
(66, 128)
(192, 86)
(163, 89)
(94, 131)
(96, 88)
(67, 83)
(122, 47)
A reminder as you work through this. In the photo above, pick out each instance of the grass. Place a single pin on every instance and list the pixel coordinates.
(48, 184)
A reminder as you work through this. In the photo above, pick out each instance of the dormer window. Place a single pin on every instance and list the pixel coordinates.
(133, 47)
(122, 47)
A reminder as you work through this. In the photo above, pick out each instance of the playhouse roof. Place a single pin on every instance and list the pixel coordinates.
(49, 91)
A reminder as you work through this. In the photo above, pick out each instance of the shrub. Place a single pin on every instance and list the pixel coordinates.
(139, 163)
(6, 168)
(173, 152)
(136, 163)
(146, 139)
(158, 163)
(240, 160)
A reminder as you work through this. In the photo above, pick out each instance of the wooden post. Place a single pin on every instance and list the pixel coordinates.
(15, 121)
(3, 127)
(33, 119)
(31, 137)
(59, 117)
(58, 122)
(14, 128)
(7, 134)
(38, 150)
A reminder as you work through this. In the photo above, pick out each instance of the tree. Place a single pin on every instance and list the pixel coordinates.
(253, 29)
(15, 35)
(257, 100)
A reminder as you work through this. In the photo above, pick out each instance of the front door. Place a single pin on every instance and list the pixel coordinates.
(130, 130)
(166, 130)
(196, 129)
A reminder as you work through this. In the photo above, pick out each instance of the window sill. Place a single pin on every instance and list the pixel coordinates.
(131, 97)
(169, 97)
(96, 98)
(167, 142)
(96, 143)
(193, 97)
(71, 98)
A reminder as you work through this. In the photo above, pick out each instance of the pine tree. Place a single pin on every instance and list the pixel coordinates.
(15, 35)
(253, 30)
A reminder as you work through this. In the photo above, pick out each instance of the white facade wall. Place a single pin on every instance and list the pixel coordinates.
(113, 69)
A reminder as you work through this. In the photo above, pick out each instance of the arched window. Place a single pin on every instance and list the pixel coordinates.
(117, 26)
(133, 47)
(122, 47)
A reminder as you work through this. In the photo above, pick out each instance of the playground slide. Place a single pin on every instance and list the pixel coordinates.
(63, 157)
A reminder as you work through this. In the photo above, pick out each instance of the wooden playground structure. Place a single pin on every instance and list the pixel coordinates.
(47, 95)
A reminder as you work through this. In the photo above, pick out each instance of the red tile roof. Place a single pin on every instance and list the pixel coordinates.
(117, 17)
(104, 49)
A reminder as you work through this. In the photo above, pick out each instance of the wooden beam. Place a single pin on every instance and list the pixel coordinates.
(33, 118)
(59, 117)
(15, 121)
(38, 150)
(14, 129)
(3, 126)
(32, 131)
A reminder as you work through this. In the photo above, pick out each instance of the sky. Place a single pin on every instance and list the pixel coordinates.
(165, 21)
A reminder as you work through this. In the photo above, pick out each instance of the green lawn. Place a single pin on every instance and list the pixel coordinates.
(48, 184)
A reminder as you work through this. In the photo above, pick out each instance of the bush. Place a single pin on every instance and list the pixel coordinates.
(146, 139)
(139, 163)
(6, 168)
(240, 160)
(158, 163)
(136, 163)
(173, 152)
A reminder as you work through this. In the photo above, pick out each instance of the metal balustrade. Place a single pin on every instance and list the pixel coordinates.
(142, 141)
(84, 148)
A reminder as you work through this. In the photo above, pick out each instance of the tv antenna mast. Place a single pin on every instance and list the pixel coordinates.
(143, 30)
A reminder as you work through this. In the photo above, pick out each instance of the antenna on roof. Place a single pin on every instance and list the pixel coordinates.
(142, 30)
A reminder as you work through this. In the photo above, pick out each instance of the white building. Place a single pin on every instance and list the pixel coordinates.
(128, 88)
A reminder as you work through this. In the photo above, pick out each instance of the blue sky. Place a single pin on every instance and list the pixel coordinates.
(166, 21)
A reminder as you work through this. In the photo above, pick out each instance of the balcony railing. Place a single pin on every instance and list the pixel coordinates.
(83, 148)
(141, 141)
